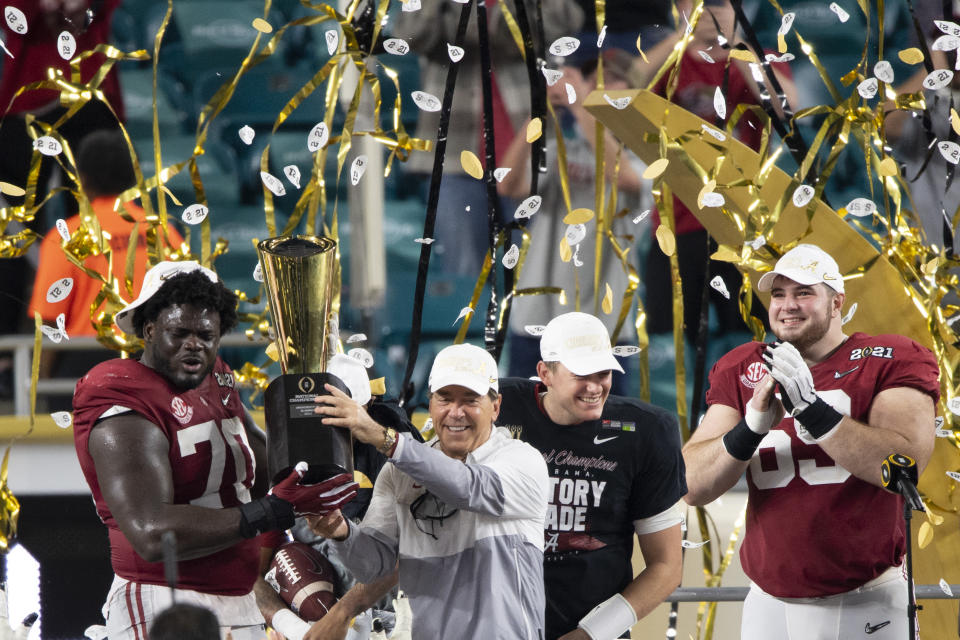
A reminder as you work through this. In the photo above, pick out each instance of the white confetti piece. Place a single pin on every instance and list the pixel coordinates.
(640, 218)
(626, 350)
(461, 1)
(713, 199)
(463, 314)
(868, 88)
(357, 169)
(411, 5)
(937, 79)
(454, 52)
(943, 433)
(426, 101)
(849, 316)
(716, 133)
(949, 28)
(949, 150)
(953, 475)
(802, 195)
(258, 273)
(687, 544)
(15, 19)
(246, 134)
(48, 146)
(946, 43)
(53, 333)
(571, 93)
(318, 137)
(501, 173)
(273, 184)
(62, 325)
(884, 71)
(4, 47)
(528, 207)
(66, 45)
(511, 257)
(861, 207)
(618, 103)
(575, 234)
(292, 172)
(59, 290)
(945, 587)
(194, 214)
(720, 104)
(577, 262)
(424, 240)
(564, 46)
(785, 23)
(758, 243)
(954, 406)
(786, 57)
(396, 46)
(63, 230)
(841, 14)
(721, 286)
(364, 356)
(357, 337)
(552, 75)
(706, 56)
(721, 40)
(938, 422)
(602, 36)
(535, 329)
(333, 40)
(62, 419)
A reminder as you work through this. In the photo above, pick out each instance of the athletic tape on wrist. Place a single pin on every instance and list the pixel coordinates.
(819, 418)
(268, 513)
(759, 421)
(609, 619)
(289, 625)
(741, 442)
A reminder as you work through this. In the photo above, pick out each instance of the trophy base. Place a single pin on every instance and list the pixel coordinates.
(295, 433)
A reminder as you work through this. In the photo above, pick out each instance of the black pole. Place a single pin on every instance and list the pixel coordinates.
(912, 607)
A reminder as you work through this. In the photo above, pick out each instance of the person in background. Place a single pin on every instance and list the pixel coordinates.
(185, 622)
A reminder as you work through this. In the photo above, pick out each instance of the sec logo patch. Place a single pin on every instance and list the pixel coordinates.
(753, 375)
(181, 410)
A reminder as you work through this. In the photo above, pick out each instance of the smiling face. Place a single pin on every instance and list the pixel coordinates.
(462, 419)
(181, 344)
(572, 399)
(804, 315)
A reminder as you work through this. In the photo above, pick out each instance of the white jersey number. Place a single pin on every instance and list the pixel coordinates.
(228, 434)
(808, 470)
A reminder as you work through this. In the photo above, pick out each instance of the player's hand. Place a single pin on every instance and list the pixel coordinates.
(332, 525)
(793, 375)
(763, 410)
(340, 410)
(315, 499)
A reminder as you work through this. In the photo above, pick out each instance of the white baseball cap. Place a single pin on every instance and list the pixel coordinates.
(465, 365)
(806, 264)
(580, 342)
(353, 374)
(152, 281)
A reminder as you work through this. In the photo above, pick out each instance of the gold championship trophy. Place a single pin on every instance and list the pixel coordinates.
(299, 274)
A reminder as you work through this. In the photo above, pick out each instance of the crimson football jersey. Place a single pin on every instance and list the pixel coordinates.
(212, 462)
(814, 529)
(604, 474)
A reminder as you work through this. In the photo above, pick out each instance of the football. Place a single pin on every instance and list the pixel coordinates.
(304, 579)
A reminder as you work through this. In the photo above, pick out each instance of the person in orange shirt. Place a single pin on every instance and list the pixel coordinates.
(106, 170)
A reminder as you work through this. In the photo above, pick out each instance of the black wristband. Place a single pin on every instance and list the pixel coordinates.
(740, 442)
(819, 418)
(268, 513)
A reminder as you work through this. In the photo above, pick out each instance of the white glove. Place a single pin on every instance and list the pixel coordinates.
(793, 375)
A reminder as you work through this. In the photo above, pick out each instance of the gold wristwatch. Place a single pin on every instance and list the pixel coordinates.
(389, 439)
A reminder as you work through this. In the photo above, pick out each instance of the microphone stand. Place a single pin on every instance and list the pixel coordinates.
(912, 606)
(898, 474)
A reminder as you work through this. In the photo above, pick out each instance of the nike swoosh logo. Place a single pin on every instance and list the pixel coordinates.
(839, 374)
(599, 440)
(225, 400)
(868, 628)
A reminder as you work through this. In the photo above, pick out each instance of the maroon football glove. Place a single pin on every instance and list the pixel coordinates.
(316, 499)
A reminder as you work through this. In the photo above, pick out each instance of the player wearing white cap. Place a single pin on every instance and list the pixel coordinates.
(811, 419)
(461, 515)
(615, 471)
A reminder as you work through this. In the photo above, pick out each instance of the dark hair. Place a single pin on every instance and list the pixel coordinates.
(185, 622)
(104, 160)
(193, 288)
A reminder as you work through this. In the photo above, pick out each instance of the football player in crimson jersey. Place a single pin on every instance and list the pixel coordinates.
(615, 472)
(811, 419)
(166, 445)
